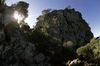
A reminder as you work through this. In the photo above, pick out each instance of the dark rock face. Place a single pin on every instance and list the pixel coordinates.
(65, 25)
(68, 28)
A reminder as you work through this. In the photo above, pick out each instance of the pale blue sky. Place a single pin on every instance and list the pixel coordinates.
(89, 9)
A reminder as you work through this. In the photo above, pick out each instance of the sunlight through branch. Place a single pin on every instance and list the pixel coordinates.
(18, 17)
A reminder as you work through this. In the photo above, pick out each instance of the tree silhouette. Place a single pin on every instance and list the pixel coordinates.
(46, 11)
(2, 3)
(22, 7)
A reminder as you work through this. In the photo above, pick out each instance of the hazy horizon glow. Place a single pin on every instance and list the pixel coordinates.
(89, 9)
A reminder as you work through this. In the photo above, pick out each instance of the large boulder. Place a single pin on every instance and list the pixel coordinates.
(67, 31)
(65, 25)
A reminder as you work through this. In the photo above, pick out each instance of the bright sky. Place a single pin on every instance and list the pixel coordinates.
(89, 8)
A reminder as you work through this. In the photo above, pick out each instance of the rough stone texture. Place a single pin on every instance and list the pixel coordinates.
(65, 25)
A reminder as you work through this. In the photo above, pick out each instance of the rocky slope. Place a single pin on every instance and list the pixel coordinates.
(52, 42)
(68, 31)
(66, 25)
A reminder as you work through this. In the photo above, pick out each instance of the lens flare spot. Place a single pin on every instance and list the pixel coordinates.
(18, 16)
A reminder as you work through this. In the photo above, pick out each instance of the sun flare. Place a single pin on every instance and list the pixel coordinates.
(18, 16)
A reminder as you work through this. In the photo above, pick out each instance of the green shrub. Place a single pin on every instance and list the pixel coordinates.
(91, 51)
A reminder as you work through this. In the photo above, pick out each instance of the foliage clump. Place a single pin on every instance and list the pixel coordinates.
(91, 51)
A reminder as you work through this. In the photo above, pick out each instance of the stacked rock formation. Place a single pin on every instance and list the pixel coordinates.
(65, 25)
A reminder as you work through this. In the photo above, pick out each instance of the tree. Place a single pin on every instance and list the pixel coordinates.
(68, 7)
(91, 51)
(2, 3)
(25, 27)
(22, 8)
(46, 11)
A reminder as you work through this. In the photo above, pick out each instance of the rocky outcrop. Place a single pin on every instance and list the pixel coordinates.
(58, 33)
(65, 25)
(67, 28)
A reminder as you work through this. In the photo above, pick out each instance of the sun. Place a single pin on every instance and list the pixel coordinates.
(18, 17)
